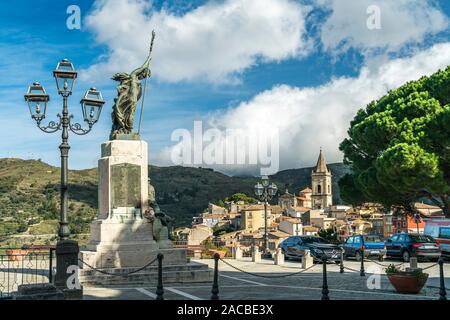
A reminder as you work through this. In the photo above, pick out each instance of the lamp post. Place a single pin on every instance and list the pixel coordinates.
(265, 191)
(91, 105)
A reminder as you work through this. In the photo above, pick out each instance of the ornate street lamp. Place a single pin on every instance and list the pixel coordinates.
(91, 106)
(266, 191)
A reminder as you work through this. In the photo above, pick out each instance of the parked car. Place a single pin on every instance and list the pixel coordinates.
(406, 245)
(371, 245)
(295, 246)
(440, 231)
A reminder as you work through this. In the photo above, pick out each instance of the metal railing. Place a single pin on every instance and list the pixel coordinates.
(25, 266)
(324, 261)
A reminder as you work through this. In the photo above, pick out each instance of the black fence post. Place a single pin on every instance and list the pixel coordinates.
(50, 267)
(442, 291)
(159, 287)
(215, 286)
(362, 272)
(325, 282)
(341, 264)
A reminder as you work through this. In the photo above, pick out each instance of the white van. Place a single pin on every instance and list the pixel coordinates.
(440, 230)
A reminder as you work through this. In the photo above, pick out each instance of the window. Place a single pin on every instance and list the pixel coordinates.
(329, 189)
(319, 189)
(310, 240)
(357, 240)
(444, 232)
(372, 239)
(349, 240)
(422, 239)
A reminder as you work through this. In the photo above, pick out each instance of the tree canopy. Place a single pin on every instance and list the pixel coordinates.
(399, 146)
(236, 198)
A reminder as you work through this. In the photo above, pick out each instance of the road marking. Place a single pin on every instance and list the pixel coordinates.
(146, 292)
(184, 294)
(245, 280)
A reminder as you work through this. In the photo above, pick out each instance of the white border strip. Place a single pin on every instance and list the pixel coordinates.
(146, 292)
(184, 294)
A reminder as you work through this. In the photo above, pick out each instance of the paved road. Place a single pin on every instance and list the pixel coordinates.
(237, 285)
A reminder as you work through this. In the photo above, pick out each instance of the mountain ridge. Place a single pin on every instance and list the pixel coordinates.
(29, 191)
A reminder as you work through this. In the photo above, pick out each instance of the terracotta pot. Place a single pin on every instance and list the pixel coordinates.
(406, 282)
(16, 254)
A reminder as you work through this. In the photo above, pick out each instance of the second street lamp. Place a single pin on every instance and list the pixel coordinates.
(266, 191)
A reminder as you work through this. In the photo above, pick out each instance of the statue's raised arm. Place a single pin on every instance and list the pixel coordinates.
(144, 71)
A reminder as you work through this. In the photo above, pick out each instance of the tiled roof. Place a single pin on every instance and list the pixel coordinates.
(420, 205)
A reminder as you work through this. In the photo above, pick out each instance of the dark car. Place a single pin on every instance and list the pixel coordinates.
(295, 246)
(406, 245)
(371, 245)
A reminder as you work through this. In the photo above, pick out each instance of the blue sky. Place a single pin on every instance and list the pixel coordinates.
(305, 66)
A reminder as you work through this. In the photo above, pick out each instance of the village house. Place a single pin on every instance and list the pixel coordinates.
(312, 214)
(296, 212)
(292, 226)
(252, 217)
(407, 222)
(195, 235)
(310, 230)
(322, 222)
(339, 211)
(275, 238)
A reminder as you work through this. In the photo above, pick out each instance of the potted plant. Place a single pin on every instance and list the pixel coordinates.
(409, 281)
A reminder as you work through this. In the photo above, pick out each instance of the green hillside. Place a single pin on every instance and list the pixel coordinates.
(29, 194)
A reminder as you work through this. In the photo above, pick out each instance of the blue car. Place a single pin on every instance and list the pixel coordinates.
(371, 245)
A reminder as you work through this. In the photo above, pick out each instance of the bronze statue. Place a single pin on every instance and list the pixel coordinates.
(161, 222)
(129, 92)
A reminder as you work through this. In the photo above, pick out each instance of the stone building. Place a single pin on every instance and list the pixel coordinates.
(287, 200)
(252, 217)
(195, 235)
(292, 226)
(322, 193)
(304, 198)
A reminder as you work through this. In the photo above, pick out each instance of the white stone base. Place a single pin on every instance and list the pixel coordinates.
(116, 244)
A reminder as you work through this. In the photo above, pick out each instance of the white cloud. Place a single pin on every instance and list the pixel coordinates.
(214, 42)
(402, 22)
(308, 118)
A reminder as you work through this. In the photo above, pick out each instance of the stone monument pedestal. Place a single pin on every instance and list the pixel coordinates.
(122, 237)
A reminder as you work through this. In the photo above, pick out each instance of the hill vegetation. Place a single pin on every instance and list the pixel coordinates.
(29, 193)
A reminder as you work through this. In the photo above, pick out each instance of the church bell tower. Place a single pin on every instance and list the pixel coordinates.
(322, 193)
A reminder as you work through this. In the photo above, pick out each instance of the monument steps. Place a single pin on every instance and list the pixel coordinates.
(188, 273)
